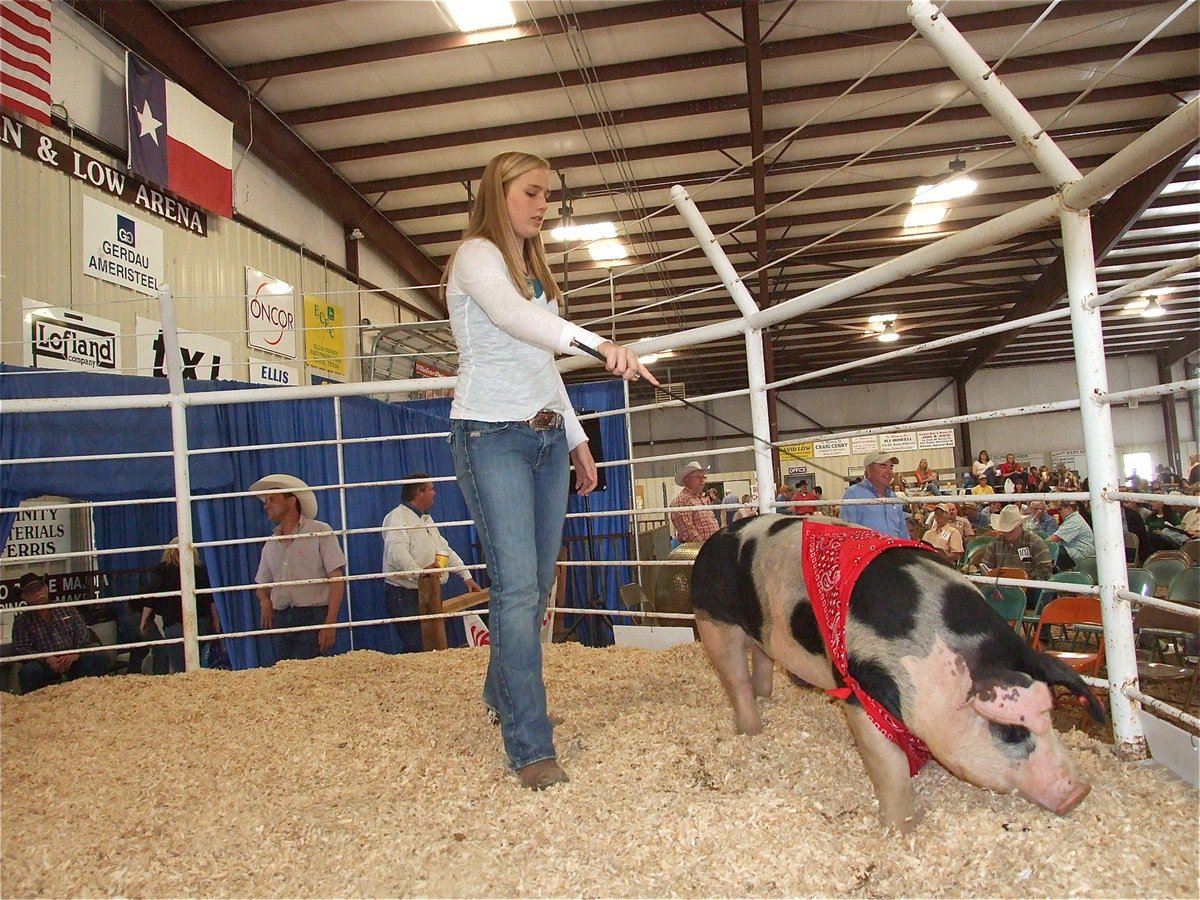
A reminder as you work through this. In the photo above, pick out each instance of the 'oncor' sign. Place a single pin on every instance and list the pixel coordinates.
(270, 314)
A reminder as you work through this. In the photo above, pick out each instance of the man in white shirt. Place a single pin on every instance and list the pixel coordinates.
(412, 544)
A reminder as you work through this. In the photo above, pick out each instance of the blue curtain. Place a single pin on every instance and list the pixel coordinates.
(241, 519)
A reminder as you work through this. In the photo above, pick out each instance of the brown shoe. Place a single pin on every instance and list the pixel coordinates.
(542, 774)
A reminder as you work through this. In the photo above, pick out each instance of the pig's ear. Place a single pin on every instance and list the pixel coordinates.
(1014, 700)
(1055, 672)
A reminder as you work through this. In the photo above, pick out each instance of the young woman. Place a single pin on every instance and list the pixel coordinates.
(512, 431)
(982, 469)
(927, 479)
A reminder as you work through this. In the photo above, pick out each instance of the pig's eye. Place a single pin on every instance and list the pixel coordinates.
(1010, 734)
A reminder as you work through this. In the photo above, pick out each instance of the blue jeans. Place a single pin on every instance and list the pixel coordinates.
(36, 673)
(402, 601)
(297, 644)
(514, 480)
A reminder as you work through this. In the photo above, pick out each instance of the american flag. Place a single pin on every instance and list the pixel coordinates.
(25, 58)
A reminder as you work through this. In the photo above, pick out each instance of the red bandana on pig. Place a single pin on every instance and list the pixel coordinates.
(833, 558)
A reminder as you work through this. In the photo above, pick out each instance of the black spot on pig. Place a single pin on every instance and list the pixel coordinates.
(726, 592)
(805, 630)
(877, 684)
(965, 612)
(885, 596)
(782, 525)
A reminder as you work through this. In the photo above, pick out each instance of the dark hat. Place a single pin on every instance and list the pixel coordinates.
(31, 580)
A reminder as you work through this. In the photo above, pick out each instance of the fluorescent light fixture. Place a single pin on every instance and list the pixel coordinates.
(924, 216)
(953, 189)
(608, 251)
(1153, 310)
(592, 231)
(477, 15)
(888, 335)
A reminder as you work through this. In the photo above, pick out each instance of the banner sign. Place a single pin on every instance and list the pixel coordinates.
(121, 249)
(803, 450)
(937, 439)
(324, 335)
(205, 358)
(117, 183)
(864, 443)
(59, 338)
(263, 372)
(39, 531)
(270, 314)
(904, 440)
(835, 447)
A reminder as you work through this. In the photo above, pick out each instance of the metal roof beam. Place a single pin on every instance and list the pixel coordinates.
(234, 10)
(1109, 225)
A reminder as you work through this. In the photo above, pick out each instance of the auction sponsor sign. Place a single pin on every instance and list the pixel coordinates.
(901, 440)
(58, 338)
(276, 373)
(803, 450)
(937, 439)
(39, 531)
(270, 314)
(864, 443)
(121, 249)
(834, 447)
(31, 143)
(324, 335)
(205, 358)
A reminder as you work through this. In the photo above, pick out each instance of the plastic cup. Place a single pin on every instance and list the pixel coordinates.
(441, 560)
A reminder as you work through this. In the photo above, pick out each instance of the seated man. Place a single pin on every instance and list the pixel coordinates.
(1075, 535)
(48, 631)
(1040, 520)
(960, 522)
(943, 536)
(1017, 547)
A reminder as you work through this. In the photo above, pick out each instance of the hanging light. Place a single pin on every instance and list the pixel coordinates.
(1153, 310)
(888, 335)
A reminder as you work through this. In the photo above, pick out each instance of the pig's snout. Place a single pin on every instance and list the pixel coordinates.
(1073, 799)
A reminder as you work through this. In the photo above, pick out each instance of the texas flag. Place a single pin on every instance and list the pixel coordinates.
(176, 141)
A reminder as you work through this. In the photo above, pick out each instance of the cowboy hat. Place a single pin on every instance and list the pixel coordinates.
(289, 484)
(879, 458)
(31, 580)
(687, 470)
(1010, 517)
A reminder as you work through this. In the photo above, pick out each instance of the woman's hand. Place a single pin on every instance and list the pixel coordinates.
(623, 362)
(585, 469)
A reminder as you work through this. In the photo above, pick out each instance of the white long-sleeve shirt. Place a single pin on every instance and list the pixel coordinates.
(411, 540)
(506, 344)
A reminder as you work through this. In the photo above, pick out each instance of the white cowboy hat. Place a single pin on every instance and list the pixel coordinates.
(289, 484)
(1010, 517)
(687, 470)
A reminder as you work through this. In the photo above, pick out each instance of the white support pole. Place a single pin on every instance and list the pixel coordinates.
(1103, 481)
(756, 369)
(341, 469)
(997, 99)
(183, 480)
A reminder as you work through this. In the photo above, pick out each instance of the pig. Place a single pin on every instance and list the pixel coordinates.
(921, 641)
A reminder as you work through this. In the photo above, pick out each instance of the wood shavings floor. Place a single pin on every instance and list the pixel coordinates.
(375, 775)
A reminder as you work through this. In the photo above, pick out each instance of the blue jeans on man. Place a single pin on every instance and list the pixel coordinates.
(515, 481)
(402, 601)
(35, 674)
(298, 644)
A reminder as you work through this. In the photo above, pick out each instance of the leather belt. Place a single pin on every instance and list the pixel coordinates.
(545, 420)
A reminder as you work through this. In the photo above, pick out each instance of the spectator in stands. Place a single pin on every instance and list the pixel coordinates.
(987, 514)
(927, 478)
(982, 470)
(1075, 536)
(819, 493)
(1165, 531)
(803, 493)
(1190, 522)
(694, 522)
(1167, 477)
(1135, 523)
(412, 542)
(1193, 473)
(943, 536)
(730, 502)
(784, 499)
(962, 523)
(887, 518)
(982, 487)
(745, 511)
(1039, 520)
(1016, 547)
(1046, 480)
(54, 629)
(1009, 466)
(309, 551)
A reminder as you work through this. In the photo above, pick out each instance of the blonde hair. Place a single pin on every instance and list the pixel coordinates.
(171, 553)
(489, 220)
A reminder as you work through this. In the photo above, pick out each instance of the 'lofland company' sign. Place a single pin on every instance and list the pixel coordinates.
(32, 143)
